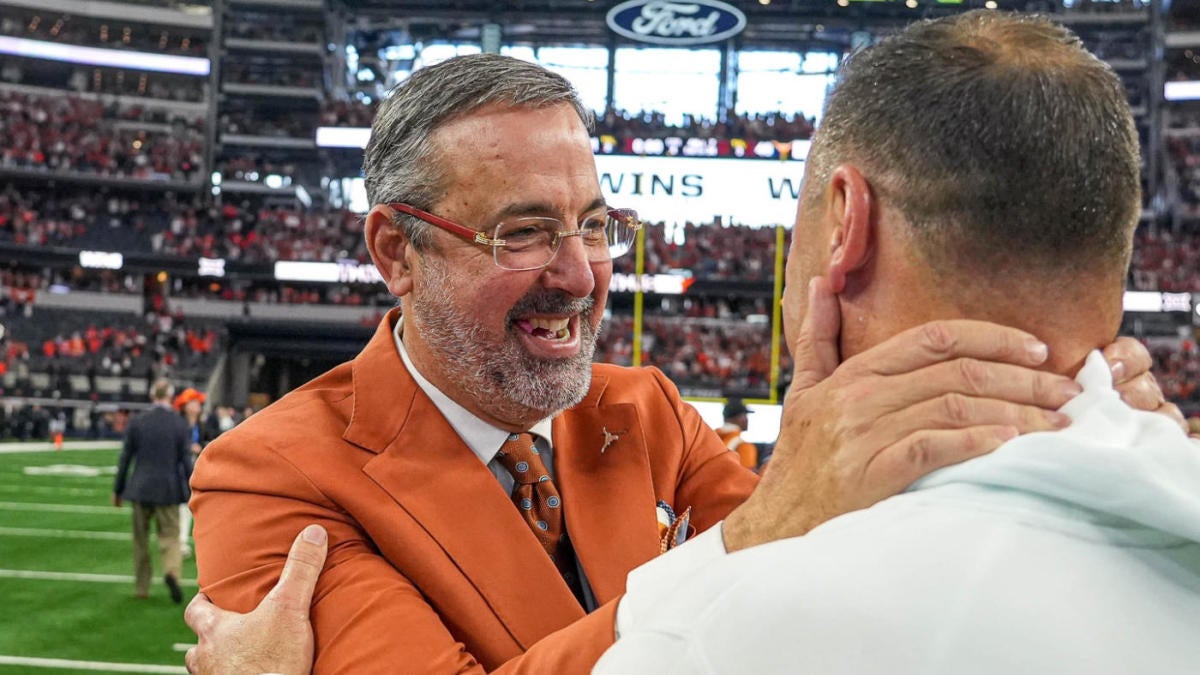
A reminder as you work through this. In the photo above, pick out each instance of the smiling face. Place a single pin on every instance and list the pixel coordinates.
(511, 347)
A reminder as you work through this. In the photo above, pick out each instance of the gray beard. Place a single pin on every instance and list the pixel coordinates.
(501, 377)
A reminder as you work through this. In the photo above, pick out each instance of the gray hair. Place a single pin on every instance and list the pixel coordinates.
(400, 163)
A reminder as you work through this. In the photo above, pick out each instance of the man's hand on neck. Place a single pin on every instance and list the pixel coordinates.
(857, 432)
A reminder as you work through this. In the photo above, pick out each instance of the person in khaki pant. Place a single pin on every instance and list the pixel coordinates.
(156, 444)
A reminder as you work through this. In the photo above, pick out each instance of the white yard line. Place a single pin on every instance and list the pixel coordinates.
(46, 446)
(62, 508)
(64, 534)
(103, 666)
(182, 646)
(48, 490)
(38, 575)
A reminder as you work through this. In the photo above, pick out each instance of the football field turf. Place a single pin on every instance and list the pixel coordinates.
(66, 572)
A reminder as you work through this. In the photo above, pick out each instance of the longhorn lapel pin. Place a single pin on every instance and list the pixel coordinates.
(609, 439)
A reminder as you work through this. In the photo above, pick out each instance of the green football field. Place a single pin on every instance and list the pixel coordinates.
(66, 572)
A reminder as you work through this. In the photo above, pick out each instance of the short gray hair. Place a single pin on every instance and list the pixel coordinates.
(400, 164)
(1005, 144)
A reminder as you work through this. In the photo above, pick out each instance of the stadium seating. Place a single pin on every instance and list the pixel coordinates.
(714, 340)
(59, 133)
(86, 31)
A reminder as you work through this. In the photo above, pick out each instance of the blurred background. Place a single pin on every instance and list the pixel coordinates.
(181, 197)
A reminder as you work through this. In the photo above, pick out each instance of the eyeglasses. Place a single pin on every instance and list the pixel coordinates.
(530, 243)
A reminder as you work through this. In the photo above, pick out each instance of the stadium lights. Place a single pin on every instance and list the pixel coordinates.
(661, 284)
(95, 56)
(1187, 90)
(343, 137)
(1155, 302)
(101, 260)
(211, 267)
(346, 272)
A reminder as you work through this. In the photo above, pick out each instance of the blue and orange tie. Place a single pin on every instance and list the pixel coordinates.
(539, 503)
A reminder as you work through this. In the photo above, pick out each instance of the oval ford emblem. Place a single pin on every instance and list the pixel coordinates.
(676, 23)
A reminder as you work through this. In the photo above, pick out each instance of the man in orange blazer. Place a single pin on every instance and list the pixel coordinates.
(490, 225)
(422, 535)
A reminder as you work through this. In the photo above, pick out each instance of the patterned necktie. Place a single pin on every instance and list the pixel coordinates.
(539, 503)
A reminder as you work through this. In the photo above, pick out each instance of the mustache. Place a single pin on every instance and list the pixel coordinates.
(551, 302)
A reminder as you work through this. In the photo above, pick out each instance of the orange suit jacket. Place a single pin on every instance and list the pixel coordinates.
(431, 569)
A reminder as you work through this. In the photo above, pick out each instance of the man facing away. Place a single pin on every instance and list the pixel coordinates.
(982, 166)
(486, 489)
(156, 448)
(737, 420)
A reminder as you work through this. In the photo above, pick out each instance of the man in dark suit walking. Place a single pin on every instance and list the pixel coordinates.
(156, 443)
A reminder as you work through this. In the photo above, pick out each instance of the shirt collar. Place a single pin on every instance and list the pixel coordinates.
(483, 438)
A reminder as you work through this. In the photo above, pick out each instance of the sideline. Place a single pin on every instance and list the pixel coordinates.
(102, 666)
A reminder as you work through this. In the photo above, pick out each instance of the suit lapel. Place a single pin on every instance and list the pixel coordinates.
(608, 494)
(430, 473)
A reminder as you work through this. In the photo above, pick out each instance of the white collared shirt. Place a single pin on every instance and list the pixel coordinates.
(482, 438)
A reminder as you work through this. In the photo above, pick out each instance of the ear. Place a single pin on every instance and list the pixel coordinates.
(851, 205)
(390, 249)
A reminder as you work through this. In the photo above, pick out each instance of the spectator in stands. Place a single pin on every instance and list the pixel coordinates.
(156, 447)
(190, 404)
(499, 350)
(67, 133)
(990, 566)
(737, 420)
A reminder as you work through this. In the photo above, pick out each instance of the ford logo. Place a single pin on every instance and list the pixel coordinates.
(662, 22)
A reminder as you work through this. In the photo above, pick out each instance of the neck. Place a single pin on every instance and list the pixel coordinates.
(1071, 321)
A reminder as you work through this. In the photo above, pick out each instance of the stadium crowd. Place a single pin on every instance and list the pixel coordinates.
(1166, 261)
(713, 354)
(265, 27)
(272, 72)
(1184, 153)
(349, 295)
(707, 251)
(83, 217)
(280, 123)
(341, 113)
(250, 234)
(703, 344)
(1177, 367)
(774, 126)
(71, 133)
(19, 286)
(624, 125)
(69, 341)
